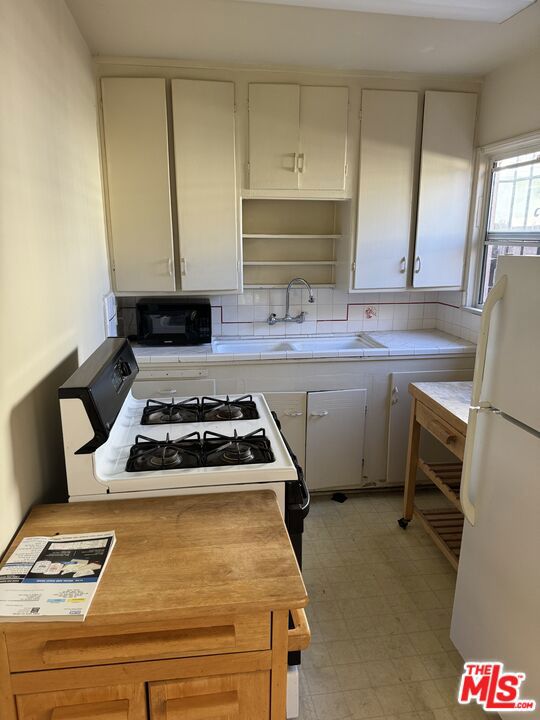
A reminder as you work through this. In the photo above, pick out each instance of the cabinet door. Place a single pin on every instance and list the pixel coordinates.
(290, 407)
(335, 439)
(387, 159)
(245, 696)
(137, 171)
(445, 189)
(274, 123)
(323, 137)
(119, 702)
(399, 413)
(204, 152)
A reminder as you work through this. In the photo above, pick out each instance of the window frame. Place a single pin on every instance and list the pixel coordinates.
(486, 156)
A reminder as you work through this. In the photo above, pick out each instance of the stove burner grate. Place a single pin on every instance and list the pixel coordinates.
(149, 454)
(248, 449)
(158, 412)
(190, 451)
(207, 409)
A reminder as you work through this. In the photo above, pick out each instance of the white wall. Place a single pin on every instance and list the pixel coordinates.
(510, 101)
(53, 268)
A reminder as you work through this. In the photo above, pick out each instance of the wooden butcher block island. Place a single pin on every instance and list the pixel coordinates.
(190, 620)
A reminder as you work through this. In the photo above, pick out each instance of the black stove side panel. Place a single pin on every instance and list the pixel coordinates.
(102, 382)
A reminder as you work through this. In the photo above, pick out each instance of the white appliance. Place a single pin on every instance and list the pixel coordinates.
(496, 613)
(118, 446)
(101, 420)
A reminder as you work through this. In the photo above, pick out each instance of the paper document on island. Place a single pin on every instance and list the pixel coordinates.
(53, 578)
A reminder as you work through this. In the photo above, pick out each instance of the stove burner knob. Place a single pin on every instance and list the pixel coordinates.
(125, 369)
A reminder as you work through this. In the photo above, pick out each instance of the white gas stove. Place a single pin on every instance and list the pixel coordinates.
(116, 444)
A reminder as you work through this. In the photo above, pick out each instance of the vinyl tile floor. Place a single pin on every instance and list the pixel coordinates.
(380, 609)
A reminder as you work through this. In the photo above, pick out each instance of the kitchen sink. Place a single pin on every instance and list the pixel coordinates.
(251, 346)
(333, 343)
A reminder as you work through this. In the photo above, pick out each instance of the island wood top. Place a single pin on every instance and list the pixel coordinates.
(450, 400)
(180, 556)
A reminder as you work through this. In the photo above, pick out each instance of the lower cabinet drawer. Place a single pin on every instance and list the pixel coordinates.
(74, 647)
(440, 429)
(245, 696)
(119, 702)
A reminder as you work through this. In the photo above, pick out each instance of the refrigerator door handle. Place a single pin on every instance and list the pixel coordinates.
(496, 294)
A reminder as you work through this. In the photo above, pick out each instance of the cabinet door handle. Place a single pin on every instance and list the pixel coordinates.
(170, 266)
(214, 706)
(301, 162)
(403, 265)
(295, 163)
(322, 413)
(417, 264)
(290, 413)
(395, 395)
(183, 266)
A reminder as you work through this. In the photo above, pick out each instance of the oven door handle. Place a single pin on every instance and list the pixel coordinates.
(305, 490)
(299, 472)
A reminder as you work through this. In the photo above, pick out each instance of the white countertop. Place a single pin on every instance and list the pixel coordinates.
(396, 342)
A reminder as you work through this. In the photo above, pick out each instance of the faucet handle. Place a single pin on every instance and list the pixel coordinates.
(272, 319)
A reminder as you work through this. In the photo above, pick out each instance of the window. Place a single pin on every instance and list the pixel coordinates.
(513, 222)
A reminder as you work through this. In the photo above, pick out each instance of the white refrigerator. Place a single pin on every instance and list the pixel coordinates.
(496, 613)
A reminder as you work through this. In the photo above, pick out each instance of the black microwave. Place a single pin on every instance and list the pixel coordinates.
(174, 321)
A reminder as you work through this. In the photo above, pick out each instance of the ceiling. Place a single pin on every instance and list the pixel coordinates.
(256, 33)
(486, 10)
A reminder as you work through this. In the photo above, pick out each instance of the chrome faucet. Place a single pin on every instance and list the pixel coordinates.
(272, 319)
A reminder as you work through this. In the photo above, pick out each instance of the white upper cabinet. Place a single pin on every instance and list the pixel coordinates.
(274, 133)
(204, 153)
(386, 183)
(323, 137)
(297, 137)
(137, 173)
(445, 188)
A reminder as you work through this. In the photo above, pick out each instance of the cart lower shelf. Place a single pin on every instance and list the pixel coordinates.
(445, 527)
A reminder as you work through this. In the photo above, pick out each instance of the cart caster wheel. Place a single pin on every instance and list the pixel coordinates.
(403, 522)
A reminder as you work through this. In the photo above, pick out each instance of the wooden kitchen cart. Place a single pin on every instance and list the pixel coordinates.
(442, 409)
(191, 619)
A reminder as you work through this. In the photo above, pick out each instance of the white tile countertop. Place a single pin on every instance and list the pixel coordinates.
(394, 343)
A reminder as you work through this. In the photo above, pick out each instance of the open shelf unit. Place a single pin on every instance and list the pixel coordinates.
(283, 239)
(446, 476)
(445, 527)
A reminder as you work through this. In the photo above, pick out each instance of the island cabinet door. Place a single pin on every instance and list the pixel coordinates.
(118, 702)
(244, 696)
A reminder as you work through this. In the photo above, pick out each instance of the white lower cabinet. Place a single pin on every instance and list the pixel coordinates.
(290, 407)
(335, 438)
(399, 414)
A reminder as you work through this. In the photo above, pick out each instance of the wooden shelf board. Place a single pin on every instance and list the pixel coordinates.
(291, 262)
(280, 236)
(446, 476)
(445, 527)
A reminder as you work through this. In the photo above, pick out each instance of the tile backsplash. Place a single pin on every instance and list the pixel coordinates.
(334, 311)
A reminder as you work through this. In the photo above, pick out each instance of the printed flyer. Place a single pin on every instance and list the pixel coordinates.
(53, 578)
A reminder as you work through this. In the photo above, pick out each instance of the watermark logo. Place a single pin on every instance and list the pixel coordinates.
(487, 684)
